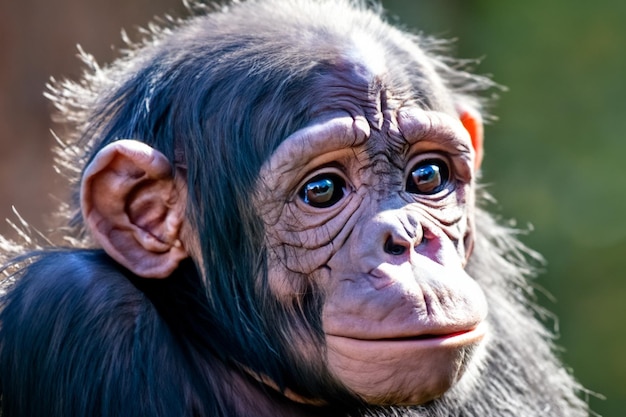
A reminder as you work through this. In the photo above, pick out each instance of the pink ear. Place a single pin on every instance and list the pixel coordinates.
(473, 123)
(131, 205)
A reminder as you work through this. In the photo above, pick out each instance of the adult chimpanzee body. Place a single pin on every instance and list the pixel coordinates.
(276, 217)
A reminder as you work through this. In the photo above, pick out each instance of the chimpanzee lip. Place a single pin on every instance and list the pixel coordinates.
(423, 336)
(476, 332)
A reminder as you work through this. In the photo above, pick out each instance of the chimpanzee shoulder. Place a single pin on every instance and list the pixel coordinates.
(99, 342)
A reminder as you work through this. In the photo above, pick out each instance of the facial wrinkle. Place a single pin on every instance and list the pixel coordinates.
(387, 140)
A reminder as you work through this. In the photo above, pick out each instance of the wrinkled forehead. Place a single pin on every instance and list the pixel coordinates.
(370, 92)
(340, 132)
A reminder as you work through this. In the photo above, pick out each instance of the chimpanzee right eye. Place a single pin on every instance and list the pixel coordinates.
(323, 190)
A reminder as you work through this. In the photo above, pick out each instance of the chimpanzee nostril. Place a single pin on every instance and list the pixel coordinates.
(393, 248)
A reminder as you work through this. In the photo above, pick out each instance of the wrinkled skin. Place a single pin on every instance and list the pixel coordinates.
(401, 316)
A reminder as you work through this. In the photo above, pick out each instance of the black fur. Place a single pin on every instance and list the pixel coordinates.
(80, 336)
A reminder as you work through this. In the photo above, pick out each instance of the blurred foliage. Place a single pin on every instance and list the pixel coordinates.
(556, 158)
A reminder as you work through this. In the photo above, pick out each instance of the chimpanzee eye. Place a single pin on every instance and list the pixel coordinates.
(428, 177)
(323, 190)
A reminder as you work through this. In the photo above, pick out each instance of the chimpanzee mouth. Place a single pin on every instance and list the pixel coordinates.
(461, 336)
(429, 336)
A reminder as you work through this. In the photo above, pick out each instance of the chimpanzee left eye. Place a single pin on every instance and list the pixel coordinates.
(428, 177)
(323, 190)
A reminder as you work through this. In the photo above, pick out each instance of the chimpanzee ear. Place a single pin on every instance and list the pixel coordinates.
(135, 208)
(473, 123)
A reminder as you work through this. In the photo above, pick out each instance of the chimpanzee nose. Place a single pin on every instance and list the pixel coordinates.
(398, 232)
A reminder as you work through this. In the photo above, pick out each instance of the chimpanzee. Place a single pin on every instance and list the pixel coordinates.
(277, 214)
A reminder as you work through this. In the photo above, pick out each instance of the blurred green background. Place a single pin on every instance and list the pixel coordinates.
(555, 159)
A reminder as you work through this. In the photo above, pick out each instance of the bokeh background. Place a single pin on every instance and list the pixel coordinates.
(555, 159)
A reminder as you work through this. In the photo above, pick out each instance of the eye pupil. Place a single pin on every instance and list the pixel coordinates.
(319, 191)
(323, 190)
(428, 177)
